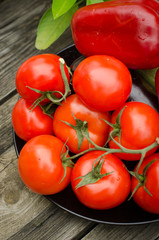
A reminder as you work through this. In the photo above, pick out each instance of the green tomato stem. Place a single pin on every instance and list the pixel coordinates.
(67, 87)
(51, 94)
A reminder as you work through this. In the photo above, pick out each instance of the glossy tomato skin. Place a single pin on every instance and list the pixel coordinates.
(141, 197)
(125, 29)
(102, 82)
(30, 123)
(40, 165)
(41, 72)
(139, 128)
(108, 192)
(74, 107)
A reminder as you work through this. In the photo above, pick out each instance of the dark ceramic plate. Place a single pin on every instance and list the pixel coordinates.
(126, 214)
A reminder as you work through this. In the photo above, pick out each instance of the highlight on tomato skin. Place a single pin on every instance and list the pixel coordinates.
(139, 128)
(107, 192)
(147, 202)
(72, 116)
(29, 123)
(102, 82)
(40, 165)
(41, 72)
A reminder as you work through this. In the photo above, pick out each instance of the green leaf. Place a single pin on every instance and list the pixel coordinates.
(59, 7)
(81, 129)
(147, 78)
(88, 2)
(93, 176)
(49, 30)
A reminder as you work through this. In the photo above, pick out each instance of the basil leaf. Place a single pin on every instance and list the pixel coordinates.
(49, 29)
(89, 2)
(59, 7)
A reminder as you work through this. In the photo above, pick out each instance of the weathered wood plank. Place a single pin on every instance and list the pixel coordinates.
(29, 215)
(5, 123)
(19, 21)
(18, 205)
(23, 214)
(54, 224)
(137, 232)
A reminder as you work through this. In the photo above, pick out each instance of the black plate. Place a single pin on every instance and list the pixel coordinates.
(127, 213)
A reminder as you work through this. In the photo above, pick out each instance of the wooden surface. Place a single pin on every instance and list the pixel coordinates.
(23, 214)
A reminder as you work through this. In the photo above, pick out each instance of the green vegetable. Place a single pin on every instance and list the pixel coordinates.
(59, 7)
(56, 20)
(88, 2)
(50, 29)
(147, 78)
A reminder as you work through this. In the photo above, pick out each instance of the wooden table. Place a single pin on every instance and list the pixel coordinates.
(23, 214)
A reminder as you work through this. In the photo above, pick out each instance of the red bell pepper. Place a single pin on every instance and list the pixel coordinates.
(125, 29)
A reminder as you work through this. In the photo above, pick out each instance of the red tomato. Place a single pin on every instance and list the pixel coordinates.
(28, 124)
(73, 107)
(40, 165)
(139, 128)
(102, 82)
(41, 72)
(108, 192)
(141, 197)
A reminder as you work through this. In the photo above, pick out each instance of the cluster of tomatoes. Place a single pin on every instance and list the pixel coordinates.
(81, 136)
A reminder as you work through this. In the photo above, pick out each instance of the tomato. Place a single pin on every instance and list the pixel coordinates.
(139, 128)
(30, 123)
(73, 108)
(40, 72)
(40, 165)
(141, 197)
(102, 82)
(109, 191)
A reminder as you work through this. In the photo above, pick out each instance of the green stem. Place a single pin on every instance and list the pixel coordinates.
(113, 150)
(66, 84)
(51, 94)
(140, 161)
(80, 154)
(135, 151)
(67, 87)
(53, 98)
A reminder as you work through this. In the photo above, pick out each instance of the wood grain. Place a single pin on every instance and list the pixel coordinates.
(138, 232)
(5, 123)
(26, 215)
(18, 28)
(54, 224)
(18, 205)
(23, 214)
